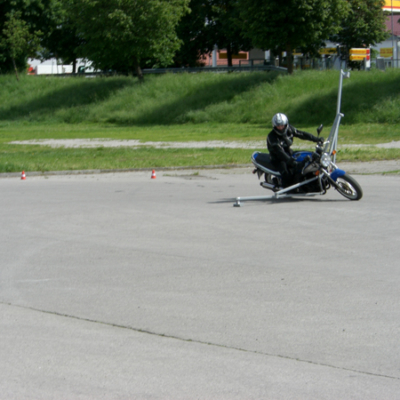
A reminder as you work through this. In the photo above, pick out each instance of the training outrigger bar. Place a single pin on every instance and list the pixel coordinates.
(330, 148)
(277, 195)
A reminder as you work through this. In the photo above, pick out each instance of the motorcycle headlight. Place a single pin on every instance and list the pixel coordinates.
(326, 160)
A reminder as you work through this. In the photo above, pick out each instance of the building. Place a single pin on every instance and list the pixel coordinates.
(392, 5)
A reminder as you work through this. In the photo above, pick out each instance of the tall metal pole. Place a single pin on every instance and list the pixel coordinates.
(392, 37)
(339, 100)
(333, 136)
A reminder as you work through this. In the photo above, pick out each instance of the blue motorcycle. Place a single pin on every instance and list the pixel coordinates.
(319, 174)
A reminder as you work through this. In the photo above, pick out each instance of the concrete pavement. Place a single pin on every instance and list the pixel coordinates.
(117, 286)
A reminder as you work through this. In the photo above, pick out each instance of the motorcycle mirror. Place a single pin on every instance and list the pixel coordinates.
(320, 129)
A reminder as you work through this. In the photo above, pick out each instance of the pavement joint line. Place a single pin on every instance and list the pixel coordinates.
(227, 167)
(111, 171)
(162, 335)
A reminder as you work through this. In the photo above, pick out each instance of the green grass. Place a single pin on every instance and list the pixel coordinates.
(186, 107)
(42, 158)
(16, 158)
(308, 97)
(350, 134)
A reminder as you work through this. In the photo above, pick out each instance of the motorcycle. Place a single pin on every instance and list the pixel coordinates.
(319, 174)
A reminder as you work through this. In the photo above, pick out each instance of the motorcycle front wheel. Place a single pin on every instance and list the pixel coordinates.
(349, 187)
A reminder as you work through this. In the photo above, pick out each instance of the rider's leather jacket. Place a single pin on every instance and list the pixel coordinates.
(279, 144)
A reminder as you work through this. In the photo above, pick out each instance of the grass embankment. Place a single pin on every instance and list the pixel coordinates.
(186, 107)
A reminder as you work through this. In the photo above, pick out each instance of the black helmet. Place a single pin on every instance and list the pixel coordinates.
(280, 120)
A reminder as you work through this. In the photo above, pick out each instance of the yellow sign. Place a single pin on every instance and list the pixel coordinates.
(297, 53)
(240, 56)
(392, 5)
(363, 52)
(328, 50)
(357, 58)
(360, 55)
(386, 52)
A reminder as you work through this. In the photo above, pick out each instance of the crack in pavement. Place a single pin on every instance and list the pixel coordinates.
(201, 342)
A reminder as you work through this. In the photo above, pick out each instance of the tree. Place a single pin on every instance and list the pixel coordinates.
(225, 28)
(363, 26)
(63, 40)
(291, 24)
(210, 23)
(122, 33)
(194, 34)
(28, 16)
(17, 40)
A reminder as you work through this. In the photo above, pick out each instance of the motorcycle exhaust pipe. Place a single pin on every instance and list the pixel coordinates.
(267, 185)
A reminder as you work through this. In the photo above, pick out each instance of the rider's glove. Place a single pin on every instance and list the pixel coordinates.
(307, 159)
(296, 165)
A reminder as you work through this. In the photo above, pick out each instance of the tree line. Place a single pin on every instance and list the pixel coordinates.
(128, 35)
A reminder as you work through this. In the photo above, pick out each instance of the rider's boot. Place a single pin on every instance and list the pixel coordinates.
(277, 187)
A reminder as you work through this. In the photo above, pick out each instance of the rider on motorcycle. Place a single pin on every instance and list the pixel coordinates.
(279, 141)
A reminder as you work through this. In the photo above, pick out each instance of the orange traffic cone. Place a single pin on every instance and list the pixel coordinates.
(153, 174)
(23, 176)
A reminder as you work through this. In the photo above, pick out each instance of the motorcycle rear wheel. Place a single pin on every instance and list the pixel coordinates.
(349, 187)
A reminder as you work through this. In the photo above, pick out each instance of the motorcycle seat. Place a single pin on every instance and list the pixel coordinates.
(264, 159)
